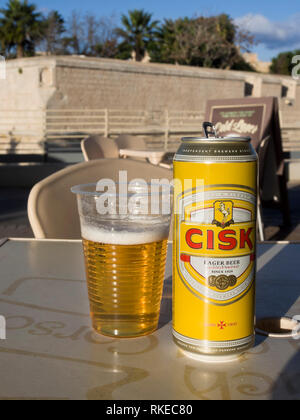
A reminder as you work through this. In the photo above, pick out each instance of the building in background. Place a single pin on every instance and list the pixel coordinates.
(260, 66)
(58, 101)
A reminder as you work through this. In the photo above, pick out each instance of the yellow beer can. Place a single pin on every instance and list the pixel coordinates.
(214, 254)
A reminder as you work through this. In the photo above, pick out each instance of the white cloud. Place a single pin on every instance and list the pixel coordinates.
(273, 35)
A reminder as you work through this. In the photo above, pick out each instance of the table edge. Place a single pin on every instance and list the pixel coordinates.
(279, 243)
(3, 241)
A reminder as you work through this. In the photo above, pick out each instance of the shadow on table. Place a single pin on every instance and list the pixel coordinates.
(166, 305)
(287, 386)
(278, 286)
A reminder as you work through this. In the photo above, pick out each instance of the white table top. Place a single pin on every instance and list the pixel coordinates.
(51, 351)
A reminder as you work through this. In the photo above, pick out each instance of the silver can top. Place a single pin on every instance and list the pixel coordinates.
(212, 148)
(211, 134)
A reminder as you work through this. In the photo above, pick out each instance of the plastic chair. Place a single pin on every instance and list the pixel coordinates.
(99, 147)
(137, 143)
(130, 142)
(52, 208)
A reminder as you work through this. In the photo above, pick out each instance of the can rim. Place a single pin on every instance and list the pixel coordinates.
(216, 139)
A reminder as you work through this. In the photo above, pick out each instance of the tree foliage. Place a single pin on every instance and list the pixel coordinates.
(91, 36)
(21, 26)
(282, 64)
(138, 32)
(200, 41)
(54, 28)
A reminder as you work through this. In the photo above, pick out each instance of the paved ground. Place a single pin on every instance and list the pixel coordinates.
(273, 220)
(14, 222)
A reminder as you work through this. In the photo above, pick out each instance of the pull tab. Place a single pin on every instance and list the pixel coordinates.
(209, 130)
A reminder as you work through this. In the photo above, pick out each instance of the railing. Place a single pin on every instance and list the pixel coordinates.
(66, 127)
(291, 138)
(22, 132)
(76, 124)
(21, 124)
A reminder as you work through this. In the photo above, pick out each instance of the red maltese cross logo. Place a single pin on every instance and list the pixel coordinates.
(222, 325)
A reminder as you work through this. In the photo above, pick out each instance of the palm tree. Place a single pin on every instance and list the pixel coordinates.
(138, 31)
(20, 27)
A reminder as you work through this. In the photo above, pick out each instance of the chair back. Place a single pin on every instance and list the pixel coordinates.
(99, 147)
(52, 208)
(130, 142)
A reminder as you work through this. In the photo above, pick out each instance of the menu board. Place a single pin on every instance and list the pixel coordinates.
(247, 121)
(257, 118)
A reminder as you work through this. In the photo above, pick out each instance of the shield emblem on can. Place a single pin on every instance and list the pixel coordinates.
(223, 213)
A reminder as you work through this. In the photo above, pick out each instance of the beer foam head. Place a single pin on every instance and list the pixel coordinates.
(94, 234)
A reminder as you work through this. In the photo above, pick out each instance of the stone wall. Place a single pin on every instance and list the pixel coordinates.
(114, 84)
(34, 85)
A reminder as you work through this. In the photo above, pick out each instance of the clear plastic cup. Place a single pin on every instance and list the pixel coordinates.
(125, 238)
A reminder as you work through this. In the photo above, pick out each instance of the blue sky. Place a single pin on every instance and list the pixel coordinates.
(275, 23)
